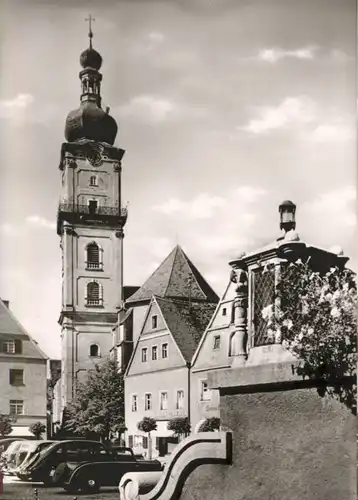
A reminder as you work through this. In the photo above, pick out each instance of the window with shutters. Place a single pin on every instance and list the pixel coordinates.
(164, 400)
(16, 377)
(12, 346)
(16, 407)
(216, 342)
(180, 400)
(134, 402)
(94, 294)
(147, 402)
(164, 350)
(154, 352)
(93, 257)
(205, 392)
(130, 441)
(263, 298)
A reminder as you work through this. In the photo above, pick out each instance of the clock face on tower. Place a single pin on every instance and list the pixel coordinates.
(94, 155)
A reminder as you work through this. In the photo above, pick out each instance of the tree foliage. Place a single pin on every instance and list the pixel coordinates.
(180, 426)
(98, 406)
(211, 424)
(37, 428)
(5, 425)
(148, 424)
(317, 322)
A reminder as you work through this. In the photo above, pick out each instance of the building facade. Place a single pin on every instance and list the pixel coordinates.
(239, 332)
(23, 375)
(91, 218)
(157, 378)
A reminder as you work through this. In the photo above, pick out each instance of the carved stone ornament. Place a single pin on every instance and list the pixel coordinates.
(119, 233)
(69, 230)
(117, 166)
(94, 154)
(195, 450)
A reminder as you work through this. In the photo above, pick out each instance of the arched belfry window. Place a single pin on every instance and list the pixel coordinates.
(93, 256)
(94, 297)
(94, 351)
(93, 180)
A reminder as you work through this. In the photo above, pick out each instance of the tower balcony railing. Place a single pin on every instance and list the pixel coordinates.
(90, 210)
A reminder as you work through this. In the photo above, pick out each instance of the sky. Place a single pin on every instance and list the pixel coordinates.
(225, 108)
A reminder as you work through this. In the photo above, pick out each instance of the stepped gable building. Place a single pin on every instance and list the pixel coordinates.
(173, 309)
(91, 218)
(176, 278)
(23, 375)
(238, 333)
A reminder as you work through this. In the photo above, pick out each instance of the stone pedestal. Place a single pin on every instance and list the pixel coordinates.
(289, 443)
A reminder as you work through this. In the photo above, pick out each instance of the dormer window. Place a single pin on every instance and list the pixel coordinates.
(93, 180)
(154, 321)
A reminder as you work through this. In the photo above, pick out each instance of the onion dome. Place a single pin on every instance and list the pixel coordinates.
(90, 121)
(90, 58)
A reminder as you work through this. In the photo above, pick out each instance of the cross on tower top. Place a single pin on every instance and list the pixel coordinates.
(90, 32)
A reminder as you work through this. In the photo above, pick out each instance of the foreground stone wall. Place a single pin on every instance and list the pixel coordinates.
(289, 443)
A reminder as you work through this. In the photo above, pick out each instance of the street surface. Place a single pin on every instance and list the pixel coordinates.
(14, 489)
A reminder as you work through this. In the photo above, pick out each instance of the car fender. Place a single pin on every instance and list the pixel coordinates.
(82, 468)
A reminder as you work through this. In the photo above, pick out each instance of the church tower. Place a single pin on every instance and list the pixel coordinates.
(90, 224)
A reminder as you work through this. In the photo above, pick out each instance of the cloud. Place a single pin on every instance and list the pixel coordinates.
(273, 55)
(291, 111)
(337, 132)
(16, 106)
(149, 108)
(334, 208)
(156, 37)
(202, 206)
(39, 221)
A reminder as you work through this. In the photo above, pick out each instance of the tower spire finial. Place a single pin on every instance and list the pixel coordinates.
(90, 32)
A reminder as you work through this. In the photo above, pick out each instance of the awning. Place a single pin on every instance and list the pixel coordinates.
(18, 431)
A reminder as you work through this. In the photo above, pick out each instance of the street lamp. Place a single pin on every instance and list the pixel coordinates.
(287, 211)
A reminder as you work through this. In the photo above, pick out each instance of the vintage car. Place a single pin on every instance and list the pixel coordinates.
(9, 456)
(27, 451)
(106, 470)
(41, 466)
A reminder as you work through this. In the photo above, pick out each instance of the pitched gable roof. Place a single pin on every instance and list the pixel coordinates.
(186, 322)
(176, 277)
(9, 326)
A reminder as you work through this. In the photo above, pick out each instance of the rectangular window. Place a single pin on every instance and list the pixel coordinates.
(216, 342)
(145, 442)
(16, 377)
(9, 346)
(224, 311)
(180, 400)
(144, 354)
(147, 401)
(163, 400)
(16, 407)
(164, 351)
(154, 352)
(138, 441)
(205, 392)
(134, 402)
(154, 321)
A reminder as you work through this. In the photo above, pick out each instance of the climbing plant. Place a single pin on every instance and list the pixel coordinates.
(317, 321)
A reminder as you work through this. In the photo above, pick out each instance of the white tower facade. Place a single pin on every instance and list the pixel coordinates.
(90, 224)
